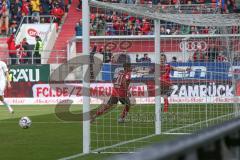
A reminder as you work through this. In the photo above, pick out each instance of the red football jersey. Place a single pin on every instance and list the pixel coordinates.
(165, 72)
(121, 84)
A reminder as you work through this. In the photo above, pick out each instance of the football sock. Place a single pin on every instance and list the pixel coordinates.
(102, 109)
(125, 111)
(166, 104)
(8, 106)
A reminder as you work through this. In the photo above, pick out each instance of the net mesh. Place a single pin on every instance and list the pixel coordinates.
(204, 96)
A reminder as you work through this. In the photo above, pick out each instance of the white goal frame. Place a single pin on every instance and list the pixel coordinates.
(86, 84)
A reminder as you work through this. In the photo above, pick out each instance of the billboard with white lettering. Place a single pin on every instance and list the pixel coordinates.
(202, 90)
(43, 93)
(30, 73)
(30, 31)
(215, 71)
(97, 90)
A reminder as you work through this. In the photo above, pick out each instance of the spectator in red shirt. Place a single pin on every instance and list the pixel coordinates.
(119, 27)
(205, 30)
(58, 12)
(12, 47)
(235, 29)
(145, 27)
(198, 56)
(221, 58)
(25, 7)
(200, 1)
(4, 18)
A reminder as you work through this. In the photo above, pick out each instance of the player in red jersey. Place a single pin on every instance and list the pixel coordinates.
(120, 93)
(165, 82)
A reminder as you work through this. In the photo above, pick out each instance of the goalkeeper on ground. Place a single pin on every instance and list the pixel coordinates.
(120, 93)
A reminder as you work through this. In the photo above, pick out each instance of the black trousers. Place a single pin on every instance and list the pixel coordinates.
(37, 58)
(13, 59)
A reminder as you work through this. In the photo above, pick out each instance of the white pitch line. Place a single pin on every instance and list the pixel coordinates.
(43, 122)
(190, 125)
(107, 147)
(73, 156)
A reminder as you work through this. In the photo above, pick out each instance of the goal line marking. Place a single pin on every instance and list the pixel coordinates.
(175, 129)
(107, 147)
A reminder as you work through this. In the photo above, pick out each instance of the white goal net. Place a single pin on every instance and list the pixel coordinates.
(184, 72)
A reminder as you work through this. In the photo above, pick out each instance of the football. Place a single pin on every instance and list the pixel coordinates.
(25, 122)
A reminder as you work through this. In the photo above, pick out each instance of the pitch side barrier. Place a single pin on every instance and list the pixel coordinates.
(220, 142)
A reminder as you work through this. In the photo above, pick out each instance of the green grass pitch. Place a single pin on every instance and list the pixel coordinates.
(51, 138)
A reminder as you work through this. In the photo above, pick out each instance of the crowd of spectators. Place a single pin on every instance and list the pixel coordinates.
(11, 12)
(113, 23)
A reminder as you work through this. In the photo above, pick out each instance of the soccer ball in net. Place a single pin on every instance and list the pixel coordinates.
(25, 122)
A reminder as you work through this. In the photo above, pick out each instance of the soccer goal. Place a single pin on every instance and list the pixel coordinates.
(184, 71)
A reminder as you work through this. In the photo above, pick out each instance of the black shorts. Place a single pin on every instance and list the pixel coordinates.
(166, 91)
(114, 100)
(166, 88)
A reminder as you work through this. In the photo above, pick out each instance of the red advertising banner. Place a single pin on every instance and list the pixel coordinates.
(41, 93)
(100, 90)
(167, 44)
(20, 89)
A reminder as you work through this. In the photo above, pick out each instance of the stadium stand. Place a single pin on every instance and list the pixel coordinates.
(13, 11)
(109, 23)
(17, 9)
(113, 23)
(67, 31)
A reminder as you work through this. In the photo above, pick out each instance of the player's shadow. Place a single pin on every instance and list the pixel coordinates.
(62, 112)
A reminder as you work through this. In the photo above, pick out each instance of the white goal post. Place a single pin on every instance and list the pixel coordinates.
(86, 79)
